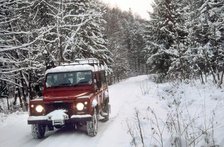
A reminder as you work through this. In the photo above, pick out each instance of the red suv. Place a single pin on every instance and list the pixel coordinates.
(73, 94)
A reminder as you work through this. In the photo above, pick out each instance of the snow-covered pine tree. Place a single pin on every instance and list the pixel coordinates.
(208, 34)
(166, 38)
(132, 28)
(120, 66)
(125, 31)
(180, 67)
(137, 58)
(158, 38)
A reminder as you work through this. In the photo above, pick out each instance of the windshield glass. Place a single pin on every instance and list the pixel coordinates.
(68, 78)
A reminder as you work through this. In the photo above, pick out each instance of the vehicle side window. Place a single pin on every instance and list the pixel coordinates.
(98, 80)
(50, 80)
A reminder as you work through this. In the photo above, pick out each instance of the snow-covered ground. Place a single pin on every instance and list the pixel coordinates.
(199, 109)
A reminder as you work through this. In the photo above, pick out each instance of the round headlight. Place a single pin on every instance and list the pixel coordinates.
(39, 108)
(79, 106)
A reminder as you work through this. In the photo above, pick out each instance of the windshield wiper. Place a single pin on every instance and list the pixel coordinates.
(67, 84)
(64, 84)
(74, 84)
(60, 85)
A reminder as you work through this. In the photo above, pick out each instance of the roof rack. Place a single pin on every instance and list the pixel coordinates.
(94, 62)
(90, 61)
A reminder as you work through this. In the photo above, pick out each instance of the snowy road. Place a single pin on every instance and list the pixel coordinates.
(124, 97)
(203, 102)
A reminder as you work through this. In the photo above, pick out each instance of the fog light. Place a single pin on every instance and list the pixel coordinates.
(79, 106)
(39, 108)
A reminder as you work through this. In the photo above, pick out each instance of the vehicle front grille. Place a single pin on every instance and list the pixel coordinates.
(61, 106)
(57, 106)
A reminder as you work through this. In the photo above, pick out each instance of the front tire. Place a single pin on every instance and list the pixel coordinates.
(92, 126)
(107, 111)
(38, 131)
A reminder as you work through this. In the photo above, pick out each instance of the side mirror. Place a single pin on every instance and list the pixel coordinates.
(99, 84)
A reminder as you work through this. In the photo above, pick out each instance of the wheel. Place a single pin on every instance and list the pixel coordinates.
(50, 127)
(107, 112)
(92, 126)
(38, 131)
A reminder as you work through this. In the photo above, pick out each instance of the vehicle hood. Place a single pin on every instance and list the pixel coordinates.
(65, 94)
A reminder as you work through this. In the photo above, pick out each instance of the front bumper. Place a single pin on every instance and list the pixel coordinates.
(45, 120)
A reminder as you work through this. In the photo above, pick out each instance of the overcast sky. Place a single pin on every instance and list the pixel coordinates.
(140, 7)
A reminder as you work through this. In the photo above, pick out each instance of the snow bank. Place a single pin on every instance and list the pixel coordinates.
(2, 118)
(184, 111)
(57, 115)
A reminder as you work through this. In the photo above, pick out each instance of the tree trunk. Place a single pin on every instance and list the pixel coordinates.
(221, 80)
(7, 98)
(202, 79)
(23, 91)
(20, 99)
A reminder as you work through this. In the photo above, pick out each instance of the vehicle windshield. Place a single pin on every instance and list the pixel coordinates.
(68, 78)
